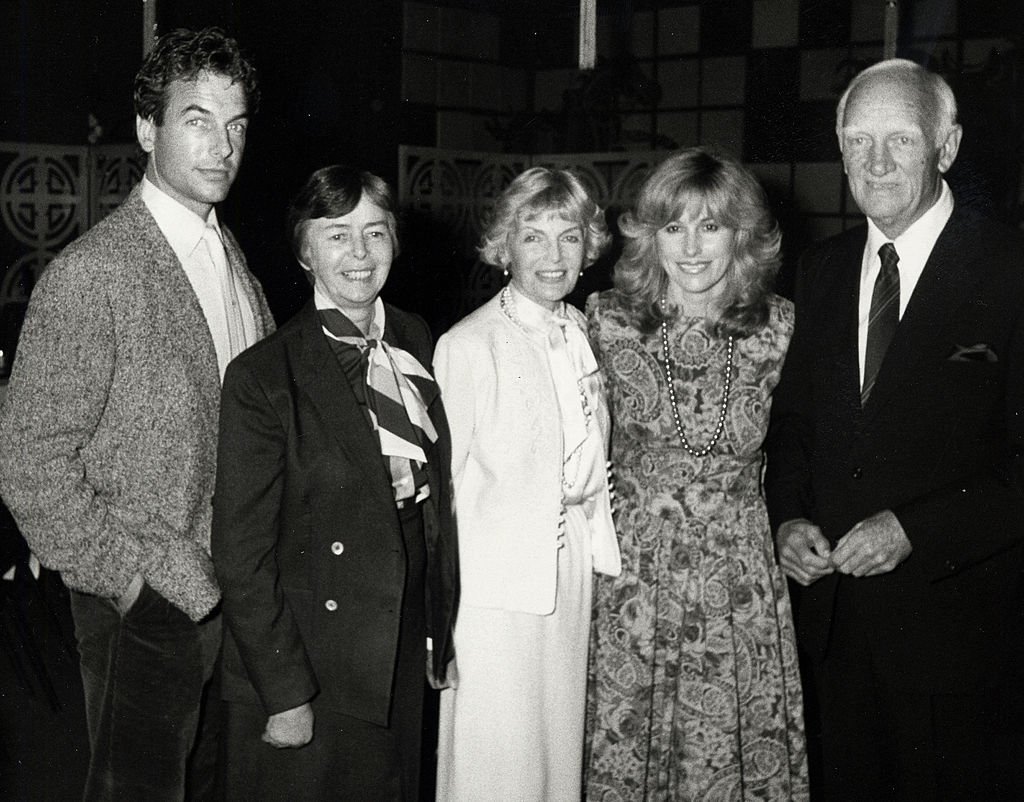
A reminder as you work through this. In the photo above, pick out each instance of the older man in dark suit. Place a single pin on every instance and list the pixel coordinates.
(108, 436)
(895, 464)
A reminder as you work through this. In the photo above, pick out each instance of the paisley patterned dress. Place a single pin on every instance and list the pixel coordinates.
(695, 692)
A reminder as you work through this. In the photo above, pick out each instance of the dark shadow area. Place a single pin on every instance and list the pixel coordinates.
(431, 276)
(44, 748)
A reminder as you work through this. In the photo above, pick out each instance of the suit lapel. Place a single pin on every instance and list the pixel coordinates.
(174, 298)
(945, 284)
(402, 337)
(252, 292)
(842, 350)
(323, 380)
(439, 453)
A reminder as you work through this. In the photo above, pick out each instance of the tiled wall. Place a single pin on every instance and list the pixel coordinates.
(453, 79)
(757, 77)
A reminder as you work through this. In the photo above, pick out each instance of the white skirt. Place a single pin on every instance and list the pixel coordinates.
(513, 729)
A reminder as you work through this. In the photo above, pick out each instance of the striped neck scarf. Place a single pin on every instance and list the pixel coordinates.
(399, 390)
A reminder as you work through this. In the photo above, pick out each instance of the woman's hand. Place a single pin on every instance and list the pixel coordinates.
(290, 728)
(451, 674)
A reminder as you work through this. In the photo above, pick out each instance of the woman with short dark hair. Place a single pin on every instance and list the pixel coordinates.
(332, 533)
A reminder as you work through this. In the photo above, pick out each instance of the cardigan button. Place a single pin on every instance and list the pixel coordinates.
(857, 473)
(331, 605)
(337, 547)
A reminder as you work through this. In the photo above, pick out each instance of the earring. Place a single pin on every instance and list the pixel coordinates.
(505, 272)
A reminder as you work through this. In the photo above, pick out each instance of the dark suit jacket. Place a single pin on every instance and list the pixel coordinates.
(940, 443)
(304, 515)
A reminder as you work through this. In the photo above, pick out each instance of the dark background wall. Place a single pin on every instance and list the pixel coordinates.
(330, 74)
(349, 82)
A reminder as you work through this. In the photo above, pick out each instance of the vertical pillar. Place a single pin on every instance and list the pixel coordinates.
(892, 24)
(148, 26)
(588, 34)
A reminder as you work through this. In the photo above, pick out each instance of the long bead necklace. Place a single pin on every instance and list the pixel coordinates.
(720, 426)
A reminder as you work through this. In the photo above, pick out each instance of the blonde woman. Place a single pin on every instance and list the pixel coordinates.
(696, 692)
(529, 432)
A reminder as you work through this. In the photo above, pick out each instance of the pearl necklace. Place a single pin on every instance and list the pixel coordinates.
(508, 307)
(720, 426)
(507, 304)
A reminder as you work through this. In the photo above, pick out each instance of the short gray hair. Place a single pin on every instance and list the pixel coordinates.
(912, 73)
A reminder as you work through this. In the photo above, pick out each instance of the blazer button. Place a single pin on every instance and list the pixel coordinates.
(337, 547)
(857, 473)
(331, 605)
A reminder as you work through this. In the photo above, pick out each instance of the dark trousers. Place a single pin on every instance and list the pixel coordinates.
(886, 742)
(145, 674)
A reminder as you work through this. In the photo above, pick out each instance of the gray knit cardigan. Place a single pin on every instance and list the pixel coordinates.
(108, 435)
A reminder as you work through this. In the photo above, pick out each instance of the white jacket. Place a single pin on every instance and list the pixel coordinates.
(507, 463)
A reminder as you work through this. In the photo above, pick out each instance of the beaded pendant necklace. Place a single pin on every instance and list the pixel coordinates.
(670, 378)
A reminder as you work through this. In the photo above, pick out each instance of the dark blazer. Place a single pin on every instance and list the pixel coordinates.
(939, 442)
(306, 538)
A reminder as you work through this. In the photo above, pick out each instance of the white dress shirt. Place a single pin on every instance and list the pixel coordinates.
(913, 247)
(184, 230)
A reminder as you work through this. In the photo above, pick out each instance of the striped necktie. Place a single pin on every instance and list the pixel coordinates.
(399, 391)
(884, 317)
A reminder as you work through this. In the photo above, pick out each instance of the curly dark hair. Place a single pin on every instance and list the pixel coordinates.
(180, 56)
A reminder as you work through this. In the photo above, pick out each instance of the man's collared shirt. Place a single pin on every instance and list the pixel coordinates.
(913, 247)
(183, 230)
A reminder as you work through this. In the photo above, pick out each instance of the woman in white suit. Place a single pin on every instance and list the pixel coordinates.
(529, 427)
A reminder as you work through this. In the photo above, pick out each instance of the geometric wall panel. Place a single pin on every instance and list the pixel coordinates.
(49, 196)
(457, 190)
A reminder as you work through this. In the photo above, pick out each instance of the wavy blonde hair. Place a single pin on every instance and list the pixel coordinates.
(536, 191)
(699, 178)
